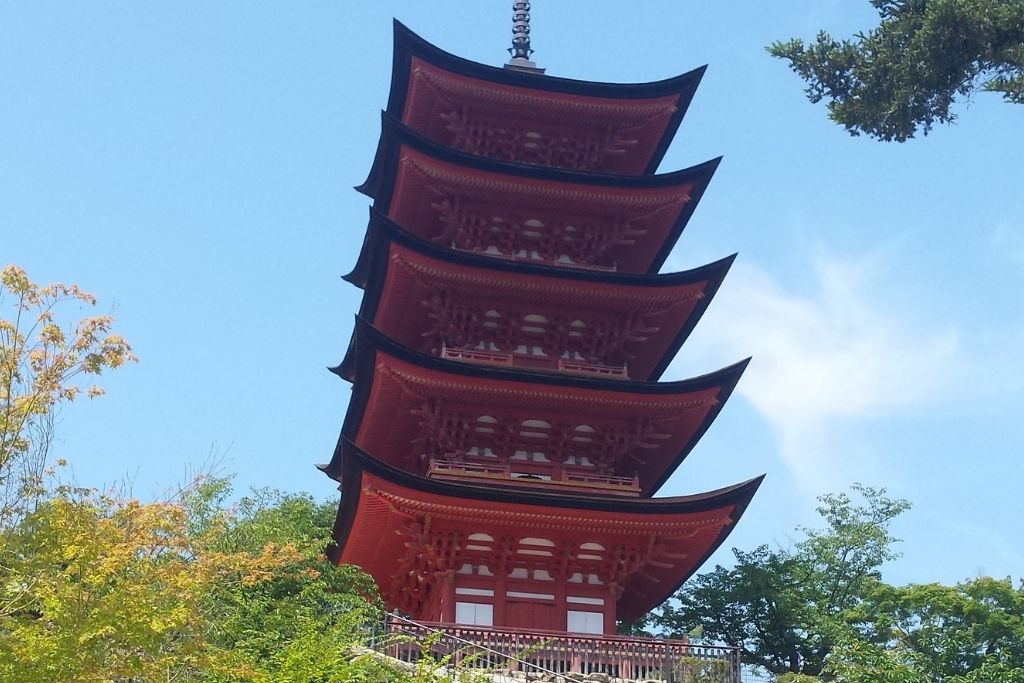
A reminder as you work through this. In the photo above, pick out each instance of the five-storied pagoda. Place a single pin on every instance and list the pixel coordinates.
(507, 431)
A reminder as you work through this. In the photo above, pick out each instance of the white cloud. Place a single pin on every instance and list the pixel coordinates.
(823, 360)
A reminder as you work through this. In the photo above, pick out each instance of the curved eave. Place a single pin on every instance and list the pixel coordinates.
(379, 184)
(394, 134)
(367, 342)
(371, 270)
(408, 44)
(357, 462)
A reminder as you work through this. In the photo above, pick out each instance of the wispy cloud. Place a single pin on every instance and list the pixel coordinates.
(824, 359)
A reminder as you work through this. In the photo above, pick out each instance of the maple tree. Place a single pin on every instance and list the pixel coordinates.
(45, 353)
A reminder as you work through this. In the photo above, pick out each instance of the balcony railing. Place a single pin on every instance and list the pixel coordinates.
(531, 362)
(560, 479)
(554, 653)
(542, 262)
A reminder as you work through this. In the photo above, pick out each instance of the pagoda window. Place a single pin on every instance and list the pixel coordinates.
(583, 546)
(530, 540)
(594, 580)
(478, 452)
(519, 573)
(493, 250)
(535, 546)
(534, 324)
(491, 320)
(535, 456)
(466, 568)
(483, 424)
(536, 429)
(578, 460)
(576, 578)
(542, 575)
(584, 622)
(474, 614)
(581, 432)
(480, 542)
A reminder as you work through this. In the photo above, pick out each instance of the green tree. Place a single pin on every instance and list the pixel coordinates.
(967, 630)
(98, 588)
(786, 608)
(907, 73)
(44, 350)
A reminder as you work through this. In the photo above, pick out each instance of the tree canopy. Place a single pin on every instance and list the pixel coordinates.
(820, 610)
(45, 350)
(906, 74)
(782, 607)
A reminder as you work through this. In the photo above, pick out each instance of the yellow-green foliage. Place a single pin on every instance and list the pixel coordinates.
(94, 588)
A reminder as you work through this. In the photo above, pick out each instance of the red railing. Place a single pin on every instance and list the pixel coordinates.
(542, 363)
(456, 469)
(593, 369)
(476, 356)
(544, 262)
(550, 652)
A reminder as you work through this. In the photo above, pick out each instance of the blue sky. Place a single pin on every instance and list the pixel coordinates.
(191, 163)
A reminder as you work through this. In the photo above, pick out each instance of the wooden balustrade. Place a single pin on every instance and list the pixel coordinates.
(457, 469)
(543, 363)
(553, 652)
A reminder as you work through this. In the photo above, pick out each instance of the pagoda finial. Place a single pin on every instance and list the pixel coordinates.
(521, 49)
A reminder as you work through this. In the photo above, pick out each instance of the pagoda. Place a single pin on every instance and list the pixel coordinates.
(507, 430)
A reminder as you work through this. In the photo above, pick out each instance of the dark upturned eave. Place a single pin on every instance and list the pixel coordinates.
(367, 341)
(408, 44)
(371, 267)
(379, 184)
(381, 231)
(357, 461)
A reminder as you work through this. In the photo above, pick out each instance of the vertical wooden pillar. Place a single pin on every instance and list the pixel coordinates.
(448, 597)
(499, 594)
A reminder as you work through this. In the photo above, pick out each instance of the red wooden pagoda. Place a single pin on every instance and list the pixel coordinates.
(507, 431)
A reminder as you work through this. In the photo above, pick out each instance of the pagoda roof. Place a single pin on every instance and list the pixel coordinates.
(665, 540)
(412, 177)
(399, 394)
(431, 87)
(401, 273)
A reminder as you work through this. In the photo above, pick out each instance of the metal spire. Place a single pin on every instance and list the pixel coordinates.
(521, 49)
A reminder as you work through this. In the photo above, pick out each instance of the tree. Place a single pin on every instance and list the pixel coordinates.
(99, 588)
(969, 630)
(905, 74)
(42, 355)
(786, 608)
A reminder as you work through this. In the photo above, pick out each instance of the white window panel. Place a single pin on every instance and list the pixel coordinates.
(585, 622)
(474, 614)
